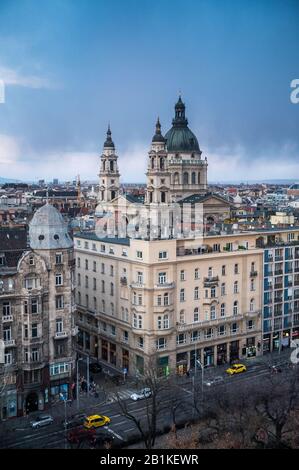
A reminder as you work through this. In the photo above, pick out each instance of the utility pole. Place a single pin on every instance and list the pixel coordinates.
(64, 398)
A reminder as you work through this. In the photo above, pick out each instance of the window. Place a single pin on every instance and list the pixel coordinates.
(236, 287)
(216, 247)
(223, 270)
(58, 279)
(86, 264)
(103, 248)
(103, 306)
(210, 272)
(252, 305)
(181, 338)
(35, 355)
(86, 301)
(94, 282)
(59, 302)
(166, 299)
(25, 306)
(78, 242)
(162, 278)
(162, 254)
(166, 322)
(182, 295)
(196, 273)
(58, 258)
(31, 260)
(222, 310)
(182, 275)
(236, 269)
(102, 268)
(32, 282)
(223, 288)
(140, 342)
(234, 328)
(196, 315)
(94, 247)
(236, 308)
(139, 299)
(94, 266)
(124, 252)
(195, 336)
(103, 287)
(196, 293)
(161, 343)
(252, 284)
(250, 325)
(125, 336)
(95, 304)
(78, 262)
(86, 281)
(34, 306)
(139, 277)
(34, 332)
(221, 330)
(7, 333)
(111, 271)
(111, 288)
(86, 245)
(8, 358)
(209, 333)
(213, 312)
(182, 316)
(159, 300)
(139, 254)
(213, 292)
(6, 308)
(79, 279)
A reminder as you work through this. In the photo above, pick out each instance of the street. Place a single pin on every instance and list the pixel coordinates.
(21, 435)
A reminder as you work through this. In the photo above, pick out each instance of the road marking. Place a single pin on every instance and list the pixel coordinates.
(113, 432)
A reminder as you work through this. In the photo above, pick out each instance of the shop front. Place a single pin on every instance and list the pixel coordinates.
(285, 340)
(276, 341)
(9, 404)
(194, 353)
(163, 366)
(181, 363)
(266, 343)
(208, 356)
(221, 354)
(249, 349)
(234, 351)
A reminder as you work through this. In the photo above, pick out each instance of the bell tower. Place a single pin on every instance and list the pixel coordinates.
(158, 178)
(109, 174)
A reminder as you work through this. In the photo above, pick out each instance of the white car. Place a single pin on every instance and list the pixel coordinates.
(40, 421)
(144, 393)
(214, 381)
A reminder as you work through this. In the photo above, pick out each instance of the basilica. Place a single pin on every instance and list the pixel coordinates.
(176, 173)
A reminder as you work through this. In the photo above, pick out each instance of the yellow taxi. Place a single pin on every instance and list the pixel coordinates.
(236, 369)
(95, 421)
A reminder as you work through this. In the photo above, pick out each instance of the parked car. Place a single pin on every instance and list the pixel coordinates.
(43, 420)
(77, 435)
(213, 381)
(144, 393)
(96, 421)
(95, 368)
(236, 369)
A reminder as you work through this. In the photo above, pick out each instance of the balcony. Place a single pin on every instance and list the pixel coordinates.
(7, 318)
(252, 314)
(211, 281)
(208, 323)
(253, 274)
(33, 365)
(165, 285)
(137, 285)
(123, 281)
(9, 343)
(61, 334)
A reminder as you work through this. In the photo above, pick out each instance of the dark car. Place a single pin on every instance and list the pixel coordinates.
(74, 421)
(77, 435)
(95, 368)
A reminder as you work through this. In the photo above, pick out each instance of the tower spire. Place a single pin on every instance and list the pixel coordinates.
(109, 142)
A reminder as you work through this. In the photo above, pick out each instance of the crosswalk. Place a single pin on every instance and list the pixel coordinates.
(121, 395)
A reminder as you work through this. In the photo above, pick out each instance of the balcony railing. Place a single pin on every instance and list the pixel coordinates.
(9, 342)
(210, 281)
(61, 334)
(208, 323)
(7, 318)
(253, 273)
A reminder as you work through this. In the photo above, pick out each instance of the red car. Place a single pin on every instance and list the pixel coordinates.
(80, 434)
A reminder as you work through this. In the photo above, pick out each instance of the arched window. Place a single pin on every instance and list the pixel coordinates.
(162, 163)
(111, 165)
(198, 180)
(213, 312)
(176, 178)
(236, 308)
(182, 316)
(153, 163)
(134, 320)
(186, 178)
(159, 323)
(235, 287)
(252, 305)
(112, 308)
(103, 306)
(166, 299)
(196, 315)
(222, 310)
(166, 321)
(193, 178)
(163, 196)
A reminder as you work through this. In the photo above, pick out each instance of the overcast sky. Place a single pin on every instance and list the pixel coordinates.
(71, 66)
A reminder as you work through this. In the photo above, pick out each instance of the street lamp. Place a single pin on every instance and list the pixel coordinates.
(64, 398)
(77, 383)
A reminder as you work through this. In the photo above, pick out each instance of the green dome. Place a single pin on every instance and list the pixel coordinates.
(180, 138)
